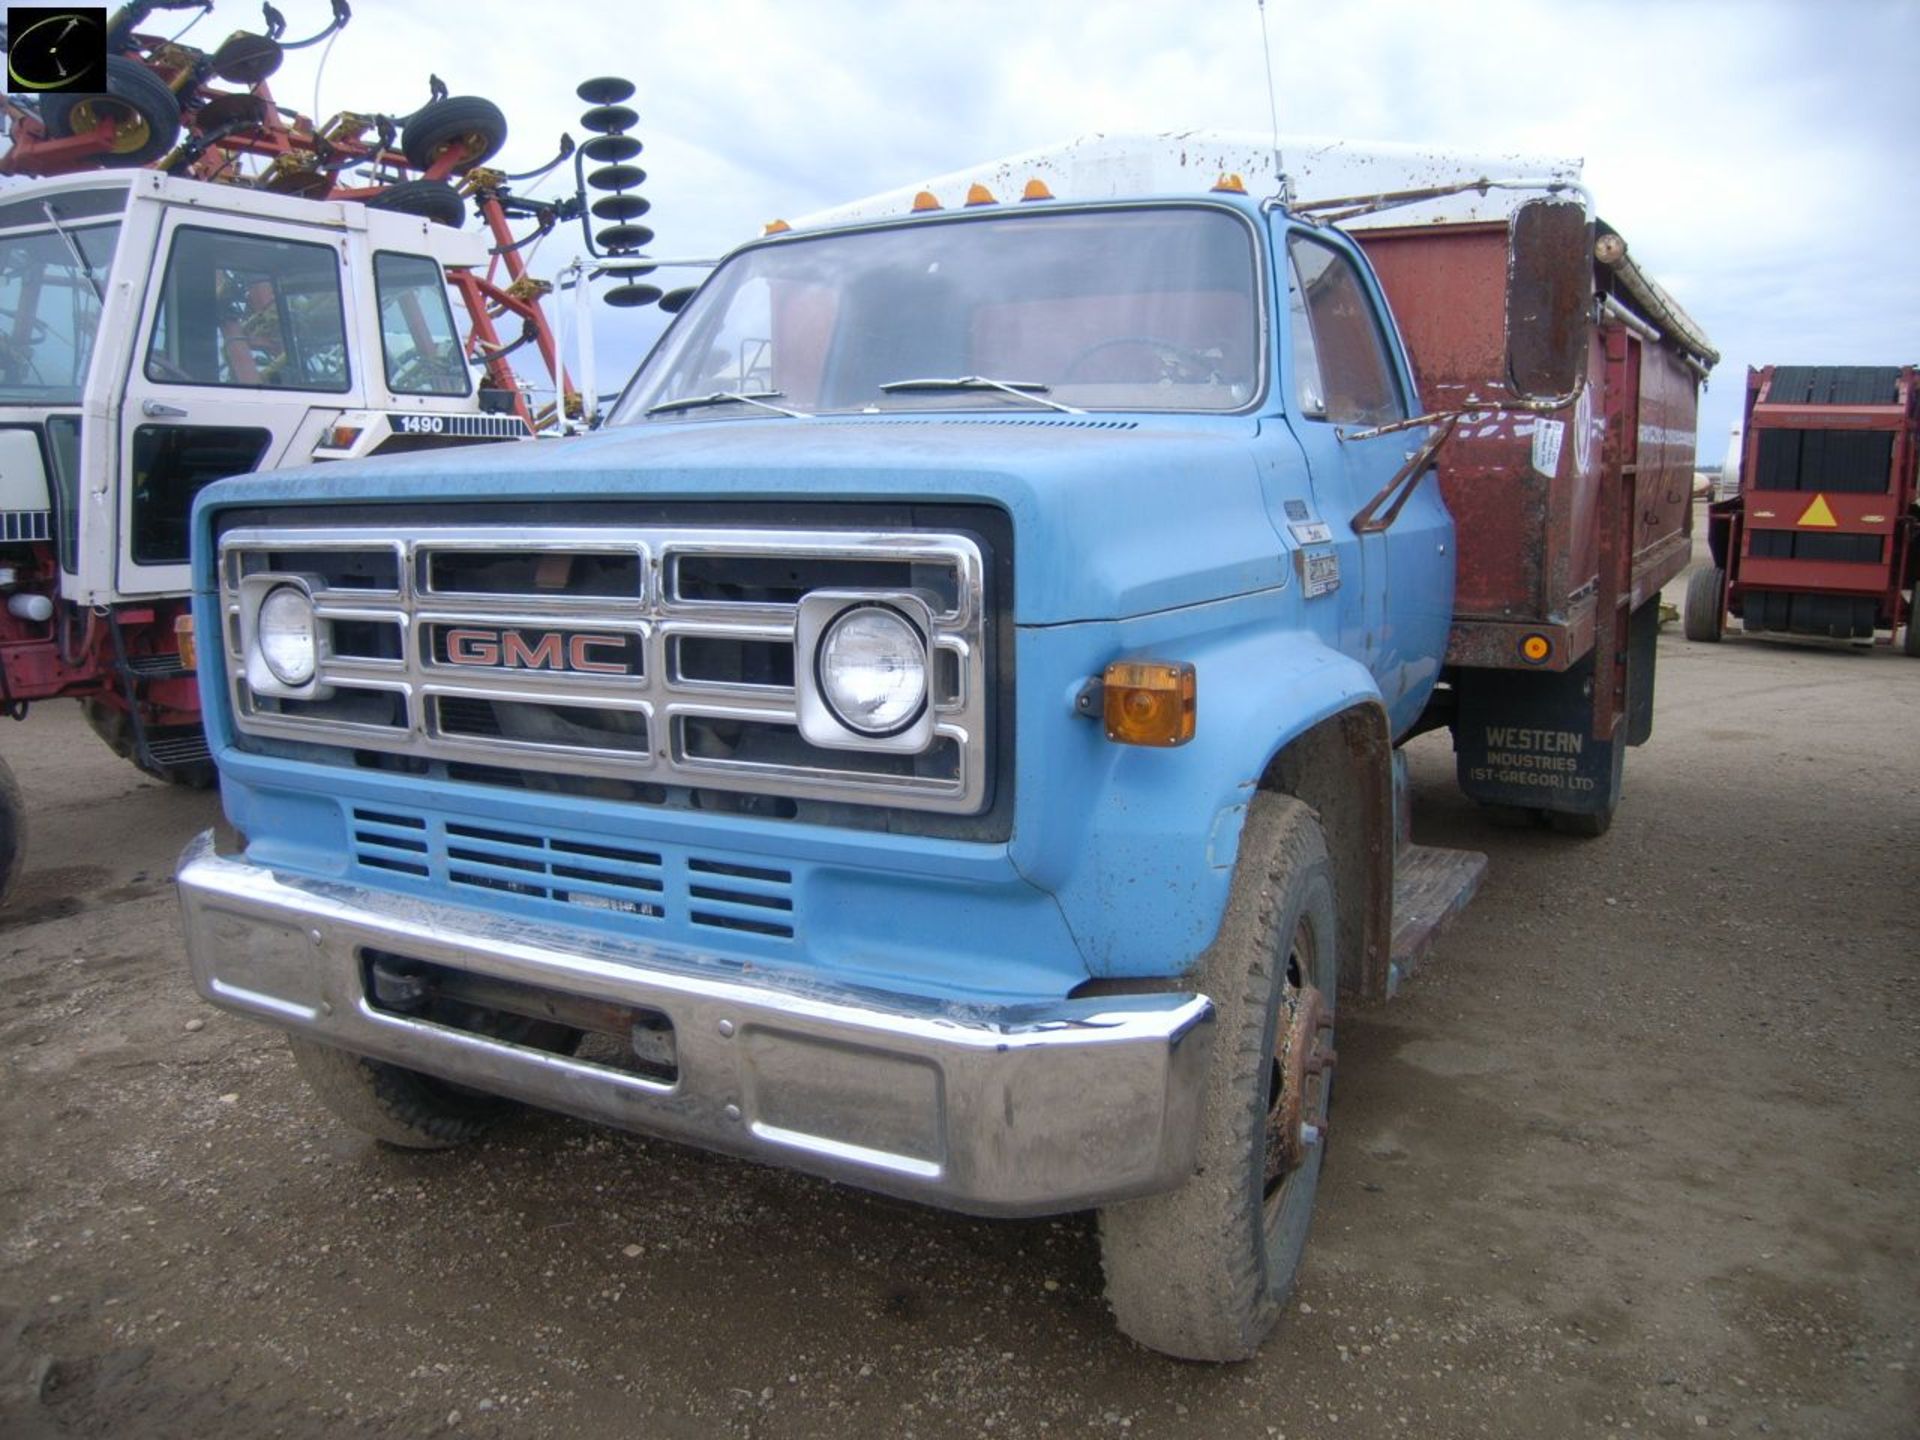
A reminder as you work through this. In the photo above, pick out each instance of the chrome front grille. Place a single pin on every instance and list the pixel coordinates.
(654, 654)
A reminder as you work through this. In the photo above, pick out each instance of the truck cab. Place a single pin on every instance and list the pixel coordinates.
(939, 736)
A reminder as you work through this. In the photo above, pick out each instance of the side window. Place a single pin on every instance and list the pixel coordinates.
(245, 311)
(417, 334)
(1341, 360)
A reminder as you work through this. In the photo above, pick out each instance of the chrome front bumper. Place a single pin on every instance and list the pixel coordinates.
(1020, 1110)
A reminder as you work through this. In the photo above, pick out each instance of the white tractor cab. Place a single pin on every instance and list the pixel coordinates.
(157, 334)
(163, 333)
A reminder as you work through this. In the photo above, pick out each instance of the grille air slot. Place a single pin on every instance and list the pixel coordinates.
(603, 877)
(720, 894)
(569, 574)
(386, 709)
(727, 743)
(750, 899)
(720, 660)
(577, 727)
(783, 579)
(374, 571)
(391, 842)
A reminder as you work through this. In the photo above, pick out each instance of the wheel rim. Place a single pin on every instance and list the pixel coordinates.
(1302, 1077)
(469, 146)
(130, 127)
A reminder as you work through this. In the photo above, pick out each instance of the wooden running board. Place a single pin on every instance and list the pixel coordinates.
(1430, 886)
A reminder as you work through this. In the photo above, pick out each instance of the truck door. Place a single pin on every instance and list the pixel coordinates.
(1349, 378)
(243, 363)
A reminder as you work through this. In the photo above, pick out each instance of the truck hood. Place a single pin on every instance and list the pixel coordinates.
(1113, 517)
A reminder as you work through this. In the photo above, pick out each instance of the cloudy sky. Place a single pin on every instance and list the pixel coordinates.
(1760, 157)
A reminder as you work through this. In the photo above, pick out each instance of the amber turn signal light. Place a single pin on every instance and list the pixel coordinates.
(183, 637)
(1149, 702)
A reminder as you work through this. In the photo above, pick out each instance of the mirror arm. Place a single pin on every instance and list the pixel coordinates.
(1384, 508)
(1547, 405)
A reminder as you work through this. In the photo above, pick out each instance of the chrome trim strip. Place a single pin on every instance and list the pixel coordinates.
(996, 1110)
(657, 615)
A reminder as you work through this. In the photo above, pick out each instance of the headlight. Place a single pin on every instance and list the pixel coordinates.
(284, 631)
(872, 669)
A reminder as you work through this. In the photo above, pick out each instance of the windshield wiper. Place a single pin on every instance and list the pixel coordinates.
(73, 249)
(1020, 389)
(733, 397)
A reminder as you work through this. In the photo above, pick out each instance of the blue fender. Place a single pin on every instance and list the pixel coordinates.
(1137, 845)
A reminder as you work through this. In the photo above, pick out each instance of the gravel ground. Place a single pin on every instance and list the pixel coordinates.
(1637, 1153)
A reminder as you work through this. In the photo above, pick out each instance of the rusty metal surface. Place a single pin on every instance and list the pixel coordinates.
(1526, 489)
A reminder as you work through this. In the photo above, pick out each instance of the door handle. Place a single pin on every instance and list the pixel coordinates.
(156, 410)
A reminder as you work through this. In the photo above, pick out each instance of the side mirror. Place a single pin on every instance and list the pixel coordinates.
(1549, 299)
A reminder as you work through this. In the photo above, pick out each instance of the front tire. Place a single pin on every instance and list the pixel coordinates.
(400, 1107)
(1202, 1273)
(1911, 644)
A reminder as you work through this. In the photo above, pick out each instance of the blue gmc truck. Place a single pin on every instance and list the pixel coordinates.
(941, 734)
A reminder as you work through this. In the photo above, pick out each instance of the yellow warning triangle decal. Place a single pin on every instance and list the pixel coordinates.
(1819, 513)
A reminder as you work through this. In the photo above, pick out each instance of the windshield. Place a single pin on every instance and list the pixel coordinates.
(49, 314)
(1111, 309)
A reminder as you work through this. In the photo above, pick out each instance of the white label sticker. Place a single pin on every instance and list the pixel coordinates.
(1583, 431)
(1319, 572)
(1312, 532)
(1547, 436)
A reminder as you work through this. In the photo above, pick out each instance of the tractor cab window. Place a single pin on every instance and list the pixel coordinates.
(50, 312)
(417, 334)
(249, 312)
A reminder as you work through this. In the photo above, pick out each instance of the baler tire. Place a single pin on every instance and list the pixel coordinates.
(433, 200)
(1204, 1271)
(468, 119)
(13, 831)
(398, 1107)
(132, 87)
(1705, 615)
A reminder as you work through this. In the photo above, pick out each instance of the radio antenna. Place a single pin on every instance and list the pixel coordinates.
(1273, 110)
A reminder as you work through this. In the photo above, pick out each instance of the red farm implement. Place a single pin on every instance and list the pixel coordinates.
(1820, 541)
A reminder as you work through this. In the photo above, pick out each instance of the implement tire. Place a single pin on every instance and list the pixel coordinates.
(433, 200)
(13, 831)
(1705, 614)
(145, 114)
(398, 1107)
(474, 125)
(1203, 1272)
